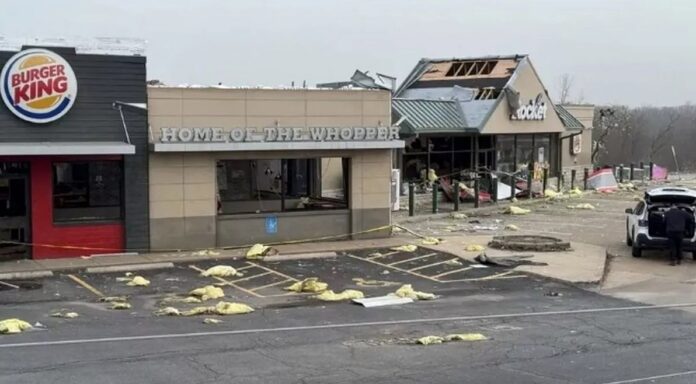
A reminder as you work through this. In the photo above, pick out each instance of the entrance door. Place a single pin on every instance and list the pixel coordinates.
(14, 212)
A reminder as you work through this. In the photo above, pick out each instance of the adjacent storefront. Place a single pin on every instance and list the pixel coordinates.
(489, 115)
(239, 166)
(73, 153)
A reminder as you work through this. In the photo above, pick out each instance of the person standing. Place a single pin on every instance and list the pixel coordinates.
(675, 227)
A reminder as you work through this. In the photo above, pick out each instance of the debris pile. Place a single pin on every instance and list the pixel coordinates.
(429, 340)
(259, 251)
(405, 248)
(65, 314)
(586, 206)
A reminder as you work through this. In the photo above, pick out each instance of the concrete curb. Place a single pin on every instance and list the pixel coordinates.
(610, 256)
(25, 275)
(301, 256)
(129, 267)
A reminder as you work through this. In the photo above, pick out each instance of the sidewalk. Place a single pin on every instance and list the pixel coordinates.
(38, 268)
(584, 264)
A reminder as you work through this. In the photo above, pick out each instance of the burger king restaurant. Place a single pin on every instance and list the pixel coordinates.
(73, 151)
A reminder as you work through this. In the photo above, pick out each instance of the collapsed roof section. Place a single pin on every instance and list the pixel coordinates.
(364, 80)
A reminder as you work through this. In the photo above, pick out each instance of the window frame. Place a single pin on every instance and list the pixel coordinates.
(312, 168)
(90, 220)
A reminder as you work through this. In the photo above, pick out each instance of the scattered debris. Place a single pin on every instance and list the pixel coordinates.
(474, 221)
(385, 272)
(205, 252)
(575, 192)
(512, 227)
(627, 187)
(405, 248)
(430, 241)
(118, 305)
(553, 294)
(375, 254)
(348, 294)
(587, 206)
(113, 299)
(9, 285)
(310, 284)
(258, 251)
(485, 228)
(453, 262)
(177, 299)
(474, 248)
(407, 290)
(373, 283)
(551, 194)
(221, 308)
(428, 340)
(64, 314)
(458, 216)
(381, 301)
(13, 326)
(168, 311)
(465, 337)
(138, 281)
(515, 210)
(208, 292)
(209, 320)
(508, 262)
(221, 271)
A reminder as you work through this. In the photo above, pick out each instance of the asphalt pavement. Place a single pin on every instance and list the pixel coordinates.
(538, 331)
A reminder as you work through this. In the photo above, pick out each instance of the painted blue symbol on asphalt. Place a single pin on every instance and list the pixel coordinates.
(271, 224)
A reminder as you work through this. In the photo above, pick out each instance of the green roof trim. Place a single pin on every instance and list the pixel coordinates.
(569, 121)
(429, 116)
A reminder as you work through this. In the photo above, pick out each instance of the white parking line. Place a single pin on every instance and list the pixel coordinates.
(651, 378)
(339, 326)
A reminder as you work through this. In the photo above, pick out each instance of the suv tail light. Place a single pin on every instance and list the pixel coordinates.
(642, 223)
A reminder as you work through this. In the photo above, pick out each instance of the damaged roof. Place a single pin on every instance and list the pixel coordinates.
(476, 84)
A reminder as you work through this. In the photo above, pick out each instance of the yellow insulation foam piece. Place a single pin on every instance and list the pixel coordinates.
(310, 284)
(220, 271)
(208, 292)
(257, 251)
(13, 326)
(348, 294)
(407, 291)
(405, 248)
(138, 281)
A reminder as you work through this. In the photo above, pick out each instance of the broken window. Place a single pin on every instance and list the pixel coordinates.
(487, 93)
(277, 185)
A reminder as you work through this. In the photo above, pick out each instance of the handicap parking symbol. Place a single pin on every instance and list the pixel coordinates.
(271, 224)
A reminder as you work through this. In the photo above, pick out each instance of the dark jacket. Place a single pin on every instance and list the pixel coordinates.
(676, 220)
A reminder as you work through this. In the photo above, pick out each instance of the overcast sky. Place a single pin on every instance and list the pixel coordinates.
(618, 51)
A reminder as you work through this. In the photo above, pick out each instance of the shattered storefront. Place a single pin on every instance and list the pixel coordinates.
(240, 166)
(486, 116)
(73, 153)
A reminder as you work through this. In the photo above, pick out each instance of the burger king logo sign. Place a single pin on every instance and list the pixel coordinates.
(38, 85)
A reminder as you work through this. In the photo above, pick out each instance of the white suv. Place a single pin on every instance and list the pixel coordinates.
(645, 224)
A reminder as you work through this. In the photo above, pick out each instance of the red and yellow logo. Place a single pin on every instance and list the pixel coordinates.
(38, 85)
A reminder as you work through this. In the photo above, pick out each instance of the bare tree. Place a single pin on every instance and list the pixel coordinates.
(602, 128)
(663, 136)
(566, 85)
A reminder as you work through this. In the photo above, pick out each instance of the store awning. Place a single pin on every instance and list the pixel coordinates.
(419, 116)
(569, 121)
(66, 148)
(276, 146)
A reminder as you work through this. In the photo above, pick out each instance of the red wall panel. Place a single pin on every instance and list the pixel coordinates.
(54, 240)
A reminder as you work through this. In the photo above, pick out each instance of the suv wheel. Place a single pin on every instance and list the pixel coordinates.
(636, 251)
